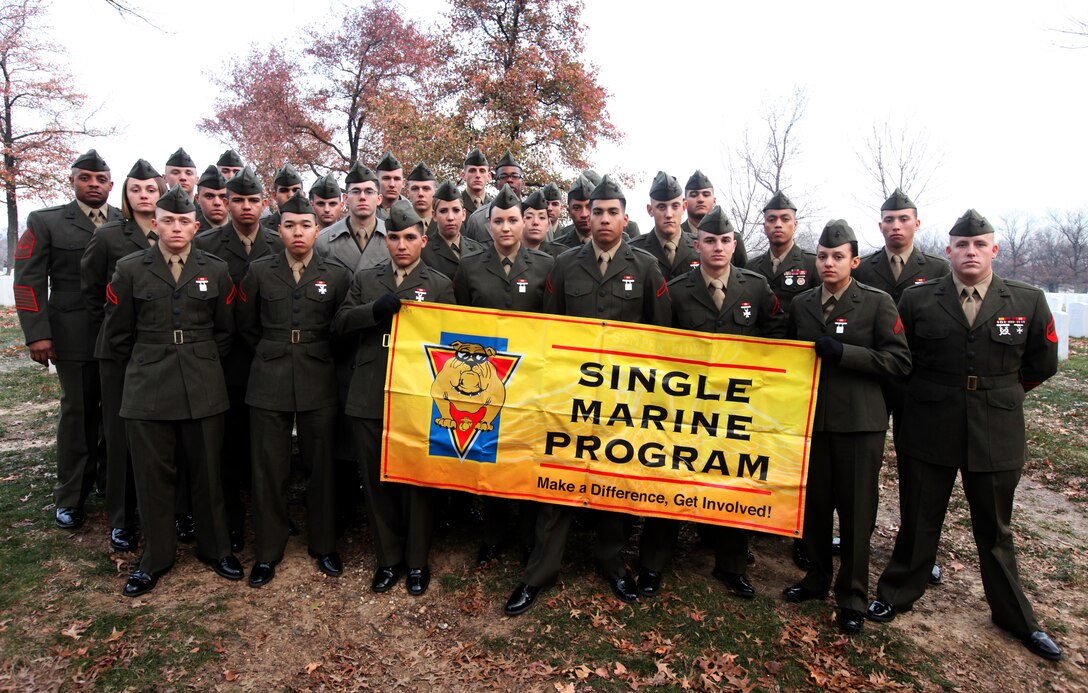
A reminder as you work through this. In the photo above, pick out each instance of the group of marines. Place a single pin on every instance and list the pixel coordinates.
(206, 331)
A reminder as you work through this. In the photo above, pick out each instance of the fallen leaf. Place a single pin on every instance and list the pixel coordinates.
(311, 667)
(230, 675)
(619, 669)
(114, 635)
(74, 631)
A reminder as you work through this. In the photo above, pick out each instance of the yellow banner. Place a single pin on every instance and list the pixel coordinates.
(608, 415)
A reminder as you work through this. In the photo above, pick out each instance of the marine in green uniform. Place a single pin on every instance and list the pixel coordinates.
(508, 171)
(674, 250)
(327, 199)
(181, 170)
(401, 516)
(860, 340)
(58, 329)
(504, 275)
(576, 232)
(700, 199)
(554, 197)
(285, 315)
(230, 164)
(357, 240)
(789, 269)
(240, 241)
(476, 173)
(604, 279)
(112, 241)
(445, 244)
(390, 183)
(534, 213)
(211, 199)
(720, 298)
(168, 317)
(285, 185)
(892, 269)
(421, 187)
(979, 343)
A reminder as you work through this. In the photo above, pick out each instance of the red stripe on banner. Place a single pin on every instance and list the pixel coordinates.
(670, 359)
(25, 299)
(25, 247)
(808, 437)
(635, 477)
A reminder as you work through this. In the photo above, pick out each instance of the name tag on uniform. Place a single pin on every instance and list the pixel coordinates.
(523, 285)
(840, 325)
(202, 282)
(421, 295)
(322, 287)
(746, 309)
(628, 282)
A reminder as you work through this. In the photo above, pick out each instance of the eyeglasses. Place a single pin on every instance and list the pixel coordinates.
(356, 192)
(510, 176)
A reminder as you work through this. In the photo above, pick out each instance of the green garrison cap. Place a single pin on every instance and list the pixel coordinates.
(607, 190)
(506, 199)
(476, 158)
(698, 181)
(142, 170)
(176, 200)
(971, 224)
(551, 192)
(325, 187)
(90, 161)
(402, 216)
(593, 177)
(836, 232)
(448, 192)
(360, 174)
(665, 187)
(534, 201)
(507, 160)
(287, 176)
(716, 223)
(388, 162)
(181, 158)
(421, 173)
(245, 183)
(230, 159)
(581, 188)
(898, 200)
(779, 201)
(212, 179)
(297, 205)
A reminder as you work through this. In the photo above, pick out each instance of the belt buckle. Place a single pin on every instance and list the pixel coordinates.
(972, 382)
(179, 337)
(296, 336)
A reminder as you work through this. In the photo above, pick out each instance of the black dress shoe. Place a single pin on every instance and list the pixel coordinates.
(799, 593)
(836, 546)
(522, 598)
(624, 587)
(227, 567)
(140, 582)
(649, 582)
(880, 611)
(328, 563)
(185, 526)
(69, 518)
(262, 573)
(935, 575)
(122, 539)
(851, 621)
(1039, 643)
(750, 559)
(800, 558)
(737, 583)
(385, 578)
(417, 581)
(237, 540)
(486, 554)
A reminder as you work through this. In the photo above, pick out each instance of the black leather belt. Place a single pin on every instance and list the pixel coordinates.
(174, 336)
(970, 382)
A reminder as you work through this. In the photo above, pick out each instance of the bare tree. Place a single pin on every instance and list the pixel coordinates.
(898, 157)
(1047, 267)
(1015, 238)
(1072, 228)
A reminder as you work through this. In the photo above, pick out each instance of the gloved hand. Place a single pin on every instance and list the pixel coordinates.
(829, 349)
(385, 306)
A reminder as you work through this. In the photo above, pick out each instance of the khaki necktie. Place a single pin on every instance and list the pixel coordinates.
(506, 265)
(247, 243)
(399, 276)
(98, 217)
(897, 267)
(829, 306)
(297, 268)
(152, 237)
(175, 264)
(456, 249)
(603, 261)
(362, 238)
(775, 262)
(717, 292)
(971, 299)
(670, 252)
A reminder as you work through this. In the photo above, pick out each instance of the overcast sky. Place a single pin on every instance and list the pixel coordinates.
(999, 98)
